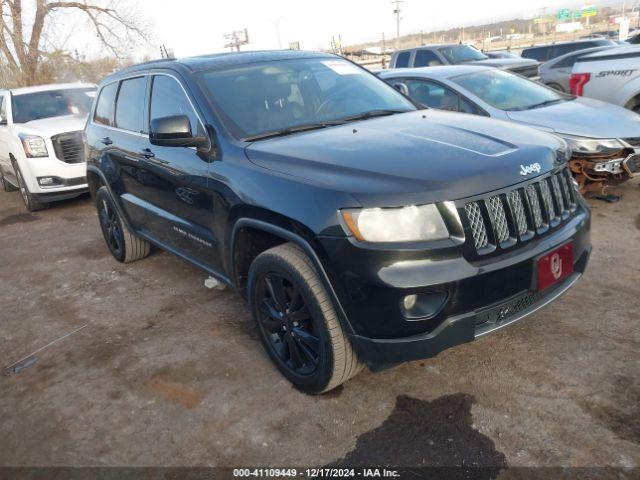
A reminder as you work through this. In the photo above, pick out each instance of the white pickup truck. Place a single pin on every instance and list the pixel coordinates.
(611, 75)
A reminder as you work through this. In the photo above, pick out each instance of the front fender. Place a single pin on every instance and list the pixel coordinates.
(301, 242)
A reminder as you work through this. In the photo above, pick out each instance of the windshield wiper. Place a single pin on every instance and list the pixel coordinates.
(544, 104)
(372, 114)
(290, 130)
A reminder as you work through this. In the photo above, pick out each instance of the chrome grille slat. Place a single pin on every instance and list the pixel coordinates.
(534, 203)
(499, 219)
(558, 194)
(547, 200)
(496, 220)
(517, 210)
(476, 223)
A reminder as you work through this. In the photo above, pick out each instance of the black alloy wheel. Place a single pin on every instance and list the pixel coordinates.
(111, 228)
(287, 324)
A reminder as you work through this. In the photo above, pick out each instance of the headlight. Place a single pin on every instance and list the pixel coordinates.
(593, 147)
(394, 225)
(563, 154)
(34, 146)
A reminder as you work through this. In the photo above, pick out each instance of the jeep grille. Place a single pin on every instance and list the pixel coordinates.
(517, 215)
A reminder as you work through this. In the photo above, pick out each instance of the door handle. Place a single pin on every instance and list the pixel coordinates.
(106, 141)
(146, 153)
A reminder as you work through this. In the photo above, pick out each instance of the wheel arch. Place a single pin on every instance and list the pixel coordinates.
(275, 235)
(97, 176)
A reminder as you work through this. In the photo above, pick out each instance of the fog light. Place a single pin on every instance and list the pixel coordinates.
(45, 181)
(409, 302)
(422, 306)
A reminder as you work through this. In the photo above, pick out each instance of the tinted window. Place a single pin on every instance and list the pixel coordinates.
(402, 61)
(52, 103)
(168, 98)
(426, 58)
(106, 105)
(130, 104)
(268, 97)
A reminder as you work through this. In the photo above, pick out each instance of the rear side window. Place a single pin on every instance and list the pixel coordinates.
(426, 58)
(567, 62)
(3, 108)
(539, 53)
(130, 104)
(168, 98)
(402, 61)
(106, 105)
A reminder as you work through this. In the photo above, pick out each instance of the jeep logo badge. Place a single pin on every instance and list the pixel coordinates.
(529, 169)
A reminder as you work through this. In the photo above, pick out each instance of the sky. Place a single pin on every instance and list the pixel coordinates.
(193, 27)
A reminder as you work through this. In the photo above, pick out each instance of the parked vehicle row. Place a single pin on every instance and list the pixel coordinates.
(603, 138)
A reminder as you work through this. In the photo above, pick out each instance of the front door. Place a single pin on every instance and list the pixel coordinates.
(180, 207)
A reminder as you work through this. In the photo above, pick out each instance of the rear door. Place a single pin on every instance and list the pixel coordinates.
(119, 138)
(179, 205)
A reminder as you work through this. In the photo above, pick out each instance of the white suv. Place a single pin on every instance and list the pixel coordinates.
(41, 145)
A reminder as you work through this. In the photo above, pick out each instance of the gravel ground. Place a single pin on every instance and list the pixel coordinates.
(169, 373)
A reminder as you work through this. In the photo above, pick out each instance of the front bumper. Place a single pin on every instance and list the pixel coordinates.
(483, 294)
(464, 328)
(69, 176)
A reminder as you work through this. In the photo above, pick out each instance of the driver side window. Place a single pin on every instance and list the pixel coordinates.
(168, 98)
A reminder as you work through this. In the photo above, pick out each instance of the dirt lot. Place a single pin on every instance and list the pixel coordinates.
(169, 373)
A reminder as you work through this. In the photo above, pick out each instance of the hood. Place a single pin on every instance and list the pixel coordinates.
(507, 63)
(582, 117)
(48, 127)
(414, 157)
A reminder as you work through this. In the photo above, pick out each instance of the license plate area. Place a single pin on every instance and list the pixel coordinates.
(554, 266)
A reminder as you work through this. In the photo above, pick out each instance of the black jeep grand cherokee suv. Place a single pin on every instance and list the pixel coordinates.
(360, 230)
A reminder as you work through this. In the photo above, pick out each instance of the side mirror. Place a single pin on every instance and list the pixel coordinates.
(174, 131)
(3, 121)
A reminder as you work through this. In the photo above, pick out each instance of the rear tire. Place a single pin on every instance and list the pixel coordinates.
(32, 204)
(125, 246)
(293, 311)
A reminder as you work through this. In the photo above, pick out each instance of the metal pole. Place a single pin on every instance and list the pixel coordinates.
(397, 11)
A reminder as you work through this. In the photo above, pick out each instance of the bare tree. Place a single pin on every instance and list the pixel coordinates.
(21, 45)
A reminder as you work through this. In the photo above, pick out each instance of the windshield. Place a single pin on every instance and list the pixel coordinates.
(52, 103)
(507, 91)
(461, 54)
(264, 98)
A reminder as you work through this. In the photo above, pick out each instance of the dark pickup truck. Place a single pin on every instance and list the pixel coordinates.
(360, 230)
(457, 54)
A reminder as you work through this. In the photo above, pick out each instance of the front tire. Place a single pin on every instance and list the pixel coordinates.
(297, 321)
(29, 200)
(123, 245)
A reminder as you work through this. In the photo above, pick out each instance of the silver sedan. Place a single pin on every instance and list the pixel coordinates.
(604, 138)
